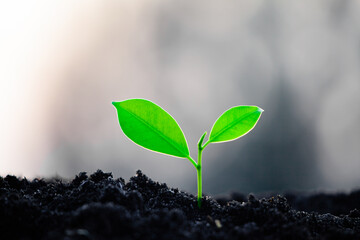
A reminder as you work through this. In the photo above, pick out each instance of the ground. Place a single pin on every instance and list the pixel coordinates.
(101, 207)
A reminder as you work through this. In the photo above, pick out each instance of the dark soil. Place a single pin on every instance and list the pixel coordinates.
(101, 207)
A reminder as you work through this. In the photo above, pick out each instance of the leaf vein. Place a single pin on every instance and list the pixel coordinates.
(175, 146)
(232, 124)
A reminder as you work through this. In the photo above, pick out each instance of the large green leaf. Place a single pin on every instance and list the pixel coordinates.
(151, 127)
(234, 123)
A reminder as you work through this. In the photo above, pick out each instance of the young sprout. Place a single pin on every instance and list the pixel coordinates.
(151, 127)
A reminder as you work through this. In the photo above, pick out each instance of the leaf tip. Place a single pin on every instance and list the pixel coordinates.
(114, 103)
(261, 110)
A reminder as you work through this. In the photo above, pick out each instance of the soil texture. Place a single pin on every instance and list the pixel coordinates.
(97, 206)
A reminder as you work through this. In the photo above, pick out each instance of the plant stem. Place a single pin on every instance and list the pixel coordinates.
(199, 168)
(199, 179)
(192, 161)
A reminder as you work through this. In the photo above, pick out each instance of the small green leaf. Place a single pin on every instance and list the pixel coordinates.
(151, 127)
(234, 123)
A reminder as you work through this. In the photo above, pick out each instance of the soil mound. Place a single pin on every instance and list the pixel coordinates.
(101, 207)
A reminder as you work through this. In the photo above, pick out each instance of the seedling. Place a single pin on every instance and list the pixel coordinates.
(151, 127)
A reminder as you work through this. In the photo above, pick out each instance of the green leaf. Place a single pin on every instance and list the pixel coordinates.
(234, 123)
(151, 127)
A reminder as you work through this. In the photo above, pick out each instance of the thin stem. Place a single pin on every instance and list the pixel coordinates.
(207, 143)
(199, 168)
(192, 161)
(199, 178)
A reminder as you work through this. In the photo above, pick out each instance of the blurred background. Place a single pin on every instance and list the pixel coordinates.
(62, 63)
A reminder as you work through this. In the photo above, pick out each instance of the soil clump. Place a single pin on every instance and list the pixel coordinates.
(97, 206)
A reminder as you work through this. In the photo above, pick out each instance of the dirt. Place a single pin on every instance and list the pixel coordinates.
(101, 207)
